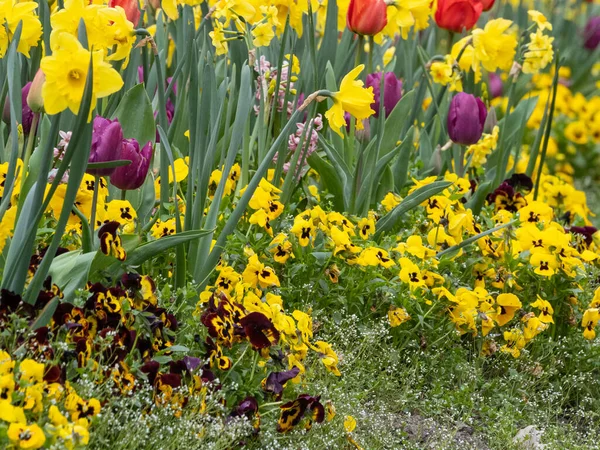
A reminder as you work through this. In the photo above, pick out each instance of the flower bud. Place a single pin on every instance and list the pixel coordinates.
(26, 112)
(495, 85)
(591, 34)
(132, 10)
(34, 97)
(466, 118)
(107, 144)
(392, 91)
(366, 17)
(133, 175)
(458, 15)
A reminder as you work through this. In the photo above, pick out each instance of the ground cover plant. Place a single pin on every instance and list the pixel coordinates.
(299, 224)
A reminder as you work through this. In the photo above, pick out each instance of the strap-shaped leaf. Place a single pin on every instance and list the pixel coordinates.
(455, 248)
(151, 249)
(413, 200)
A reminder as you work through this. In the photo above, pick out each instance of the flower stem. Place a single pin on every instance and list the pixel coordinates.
(359, 50)
(94, 204)
(29, 148)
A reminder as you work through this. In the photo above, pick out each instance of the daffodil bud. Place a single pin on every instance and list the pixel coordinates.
(35, 101)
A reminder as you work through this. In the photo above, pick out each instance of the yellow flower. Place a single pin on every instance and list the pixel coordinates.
(533, 327)
(328, 357)
(353, 98)
(576, 132)
(546, 309)
(123, 212)
(373, 256)
(349, 424)
(66, 72)
(494, 46)
(366, 227)
(539, 52)
(390, 201)
(589, 322)
(411, 274)
(540, 20)
(508, 304)
(26, 436)
(13, 12)
(441, 72)
(515, 341)
(397, 316)
(262, 34)
(31, 371)
(10, 413)
(402, 15)
(256, 273)
(304, 231)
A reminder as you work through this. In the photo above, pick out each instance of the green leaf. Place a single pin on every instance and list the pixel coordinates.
(78, 153)
(135, 115)
(109, 164)
(329, 178)
(455, 248)
(46, 315)
(400, 170)
(151, 249)
(395, 122)
(70, 271)
(413, 200)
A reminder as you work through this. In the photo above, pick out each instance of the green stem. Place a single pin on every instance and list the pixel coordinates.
(370, 56)
(548, 128)
(254, 365)
(29, 148)
(94, 204)
(359, 49)
(123, 194)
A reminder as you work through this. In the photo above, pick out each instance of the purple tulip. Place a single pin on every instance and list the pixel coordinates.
(107, 144)
(133, 175)
(495, 85)
(26, 112)
(591, 34)
(466, 118)
(392, 91)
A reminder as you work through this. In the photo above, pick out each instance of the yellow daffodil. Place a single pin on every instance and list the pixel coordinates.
(353, 98)
(66, 73)
(13, 12)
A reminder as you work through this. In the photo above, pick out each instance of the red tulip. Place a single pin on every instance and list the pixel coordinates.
(132, 10)
(366, 17)
(488, 4)
(458, 15)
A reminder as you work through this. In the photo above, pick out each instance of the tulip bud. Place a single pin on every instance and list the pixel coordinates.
(366, 17)
(591, 34)
(495, 85)
(132, 176)
(490, 121)
(488, 4)
(26, 112)
(466, 118)
(458, 15)
(392, 91)
(107, 144)
(34, 97)
(132, 10)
